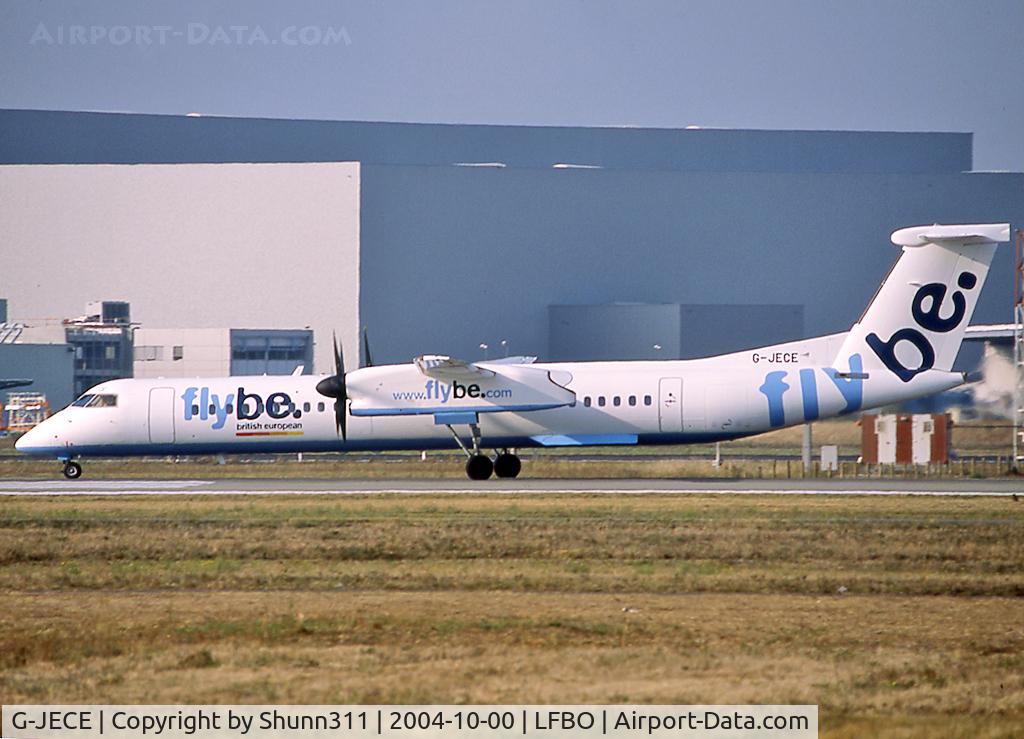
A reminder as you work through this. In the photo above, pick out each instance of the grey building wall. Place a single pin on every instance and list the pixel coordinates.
(619, 331)
(666, 331)
(452, 257)
(50, 365)
(64, 137)
(707, 330)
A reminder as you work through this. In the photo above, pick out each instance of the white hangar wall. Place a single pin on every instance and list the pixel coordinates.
(199, 245)
(457, 256)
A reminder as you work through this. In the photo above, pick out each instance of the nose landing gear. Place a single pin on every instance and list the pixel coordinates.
(72, 470)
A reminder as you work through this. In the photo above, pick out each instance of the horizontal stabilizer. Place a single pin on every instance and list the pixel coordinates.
(975, 233)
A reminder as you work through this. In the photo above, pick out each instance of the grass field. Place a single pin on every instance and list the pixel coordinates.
(899, 616)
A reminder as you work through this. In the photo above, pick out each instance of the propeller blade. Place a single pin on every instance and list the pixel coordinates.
(335, 387)
(366, 348)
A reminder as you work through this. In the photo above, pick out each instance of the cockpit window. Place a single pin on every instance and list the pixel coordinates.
(96, 400)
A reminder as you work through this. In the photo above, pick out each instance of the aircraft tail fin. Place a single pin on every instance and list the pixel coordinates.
(917, 319)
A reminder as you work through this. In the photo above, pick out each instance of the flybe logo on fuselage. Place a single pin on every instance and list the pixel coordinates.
(204, 405)
(442, 392)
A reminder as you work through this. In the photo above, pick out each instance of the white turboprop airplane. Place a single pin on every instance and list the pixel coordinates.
(903, 347)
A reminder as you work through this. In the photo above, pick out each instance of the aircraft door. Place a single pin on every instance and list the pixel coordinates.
(161, 415)
(670, 405)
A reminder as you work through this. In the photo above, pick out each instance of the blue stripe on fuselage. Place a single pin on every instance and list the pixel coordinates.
(289, 446)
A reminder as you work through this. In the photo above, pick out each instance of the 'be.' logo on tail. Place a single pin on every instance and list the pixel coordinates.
(930, 320)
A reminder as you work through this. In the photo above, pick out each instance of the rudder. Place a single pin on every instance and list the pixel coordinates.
(917, 319)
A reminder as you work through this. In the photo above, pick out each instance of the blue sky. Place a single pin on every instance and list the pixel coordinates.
(879, 64)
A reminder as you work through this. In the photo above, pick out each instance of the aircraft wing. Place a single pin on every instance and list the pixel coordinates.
(446, 368)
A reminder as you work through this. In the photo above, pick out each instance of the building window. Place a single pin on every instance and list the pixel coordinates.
(647, 400)
(632, 400)
(149, 354)
(178, 353)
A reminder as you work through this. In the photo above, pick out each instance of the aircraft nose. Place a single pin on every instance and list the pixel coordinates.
(31, 439)
(25, 440)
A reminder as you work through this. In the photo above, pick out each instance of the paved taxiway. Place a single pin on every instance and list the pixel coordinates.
(512, 487)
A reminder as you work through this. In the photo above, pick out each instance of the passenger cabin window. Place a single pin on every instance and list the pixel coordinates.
(96, 400)
(616, 401)
(647, 400)
(632, 400)
(586, 401)
(305, 407)
(320, 407)
(600, 400)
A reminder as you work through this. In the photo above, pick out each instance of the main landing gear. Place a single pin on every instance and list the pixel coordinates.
(507, 464)
(479, 466)
(72, 470)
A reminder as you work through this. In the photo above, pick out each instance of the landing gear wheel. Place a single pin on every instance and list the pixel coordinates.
(479, 467)
(72, 470)
(507, 465)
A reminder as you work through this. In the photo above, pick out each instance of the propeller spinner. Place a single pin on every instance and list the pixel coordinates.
(334, 387)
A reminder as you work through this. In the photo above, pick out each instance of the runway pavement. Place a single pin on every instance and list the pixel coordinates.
(1002, 487)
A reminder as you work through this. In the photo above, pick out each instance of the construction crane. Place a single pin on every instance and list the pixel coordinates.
(1018, 353)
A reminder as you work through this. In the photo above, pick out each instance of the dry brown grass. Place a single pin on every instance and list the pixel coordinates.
(812, 544)
(574, 599)
(888, 661)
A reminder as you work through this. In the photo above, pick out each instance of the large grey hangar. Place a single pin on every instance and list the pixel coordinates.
(471, 240)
